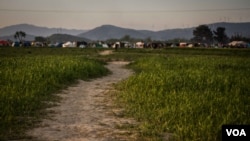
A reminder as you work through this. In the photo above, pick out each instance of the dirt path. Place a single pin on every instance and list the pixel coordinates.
(106, 52)
(86, 112)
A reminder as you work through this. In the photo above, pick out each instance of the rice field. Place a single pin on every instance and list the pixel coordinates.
(187, 97)
(28, 82)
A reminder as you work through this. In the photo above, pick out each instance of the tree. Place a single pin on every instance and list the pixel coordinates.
(126, 38)
(40, 39)
(177, 40)
(203, 34)
(239, 37)
(148, 40)
(20, 35)
(220, 35)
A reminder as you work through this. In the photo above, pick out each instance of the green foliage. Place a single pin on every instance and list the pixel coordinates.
(40, 39)
(45, 51)
(203, 34)
(189, 97)
(188, 93)
(239, 37)
(126, 38)
(220, 35)
(20, 35)
(27, 81)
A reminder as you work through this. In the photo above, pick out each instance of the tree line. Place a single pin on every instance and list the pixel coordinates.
(203, 34)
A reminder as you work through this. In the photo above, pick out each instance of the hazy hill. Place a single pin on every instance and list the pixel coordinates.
(109, 31)
(52, 38)
(105, 32)
(37, 30)
(11, 37)
(65, 37)
(185, 33)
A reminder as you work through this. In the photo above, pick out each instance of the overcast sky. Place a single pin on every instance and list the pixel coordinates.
(136, 14)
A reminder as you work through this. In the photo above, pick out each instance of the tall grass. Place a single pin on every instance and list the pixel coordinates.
(26, 82)
(34, 51)
(189, 97)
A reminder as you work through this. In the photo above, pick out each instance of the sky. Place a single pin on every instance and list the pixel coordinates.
(136, 14)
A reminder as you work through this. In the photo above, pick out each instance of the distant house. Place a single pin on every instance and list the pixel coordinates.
(183, 44)
(37, 44)
(139, 44)
(69, 44)
(238, 44)
(122, 44)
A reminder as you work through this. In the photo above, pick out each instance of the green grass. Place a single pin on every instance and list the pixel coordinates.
(187, 96)
(27, 81)
(44, 51)
(188, 93)
(187, 51)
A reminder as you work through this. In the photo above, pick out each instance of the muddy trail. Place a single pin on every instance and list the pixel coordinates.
(86, 112)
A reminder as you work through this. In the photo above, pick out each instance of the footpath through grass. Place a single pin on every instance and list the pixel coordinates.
(187, 96)
(27, 83)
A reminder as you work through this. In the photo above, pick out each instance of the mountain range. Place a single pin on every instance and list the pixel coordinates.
(66, 37)
(105, 32)
(37, 30)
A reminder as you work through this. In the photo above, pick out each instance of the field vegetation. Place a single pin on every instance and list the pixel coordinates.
(188, 97)
(29, 77)
(185, 94)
